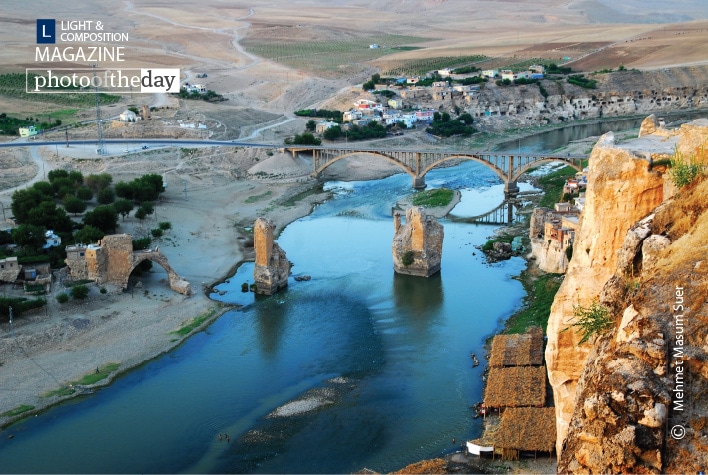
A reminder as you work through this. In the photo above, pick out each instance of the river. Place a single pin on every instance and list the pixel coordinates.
(358, 367)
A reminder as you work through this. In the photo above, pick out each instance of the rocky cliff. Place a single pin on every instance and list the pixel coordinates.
(634, 255)
(417, 244)
(272, 267)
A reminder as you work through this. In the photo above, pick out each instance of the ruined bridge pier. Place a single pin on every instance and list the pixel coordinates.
(417, 163)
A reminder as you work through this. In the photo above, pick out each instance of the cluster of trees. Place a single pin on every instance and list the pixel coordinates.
(209, 96)
(305, 138)
(582, 81)
(444, 126)
(322, 113)
(44, 206)
(11, 125)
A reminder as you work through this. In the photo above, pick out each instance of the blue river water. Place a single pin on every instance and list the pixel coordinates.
(358, 367)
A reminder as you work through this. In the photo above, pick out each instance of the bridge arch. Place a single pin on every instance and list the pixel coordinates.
(392, 160)
(502, 174)
(175, 281)
(521, 170)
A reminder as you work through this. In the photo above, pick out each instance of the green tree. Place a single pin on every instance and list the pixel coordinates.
(124, 190)
(466, 118)
(88, 234)
(54, 174)
(50, 216)
(140, 214)
(84, 193)
(157, 233)
(62, 297)
(102, 217)
(24, 201)
(77, 178)
(98, 182)
(29, 235)
(310, 125)
(123, 207)
(306, 138)
(106, 196)
(79, 292)
(148, 207)
(44, 187)
(74, 205)
(165, 225)
(332, 133)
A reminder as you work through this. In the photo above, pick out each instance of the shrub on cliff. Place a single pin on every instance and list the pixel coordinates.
(592, 320)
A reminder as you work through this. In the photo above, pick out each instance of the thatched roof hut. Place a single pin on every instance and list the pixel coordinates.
(525, 349)
(527, 429)
(516, 386)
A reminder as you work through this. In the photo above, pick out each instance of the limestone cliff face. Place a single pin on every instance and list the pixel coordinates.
(417, 245)
(621, 190)
(550, 256)
(617, 409)
(272, 266)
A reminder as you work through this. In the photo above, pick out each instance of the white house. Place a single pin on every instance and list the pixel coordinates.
(51, 240)
(351, 115)
(128, 116)
(490, 73)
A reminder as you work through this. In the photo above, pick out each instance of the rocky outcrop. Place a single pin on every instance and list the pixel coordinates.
(630, 410)
(550, 255)
(621, 190)
(272, 266)
(417, 244)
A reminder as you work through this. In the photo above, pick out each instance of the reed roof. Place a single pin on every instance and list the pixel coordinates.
(518, 350)
(516, 386)
(527, 428)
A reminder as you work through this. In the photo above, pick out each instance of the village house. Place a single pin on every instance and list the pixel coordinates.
(128, 116)
(324, 125)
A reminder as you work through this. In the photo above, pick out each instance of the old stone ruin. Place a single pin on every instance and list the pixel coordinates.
(417, 244)
(272, 266)
(113, 259)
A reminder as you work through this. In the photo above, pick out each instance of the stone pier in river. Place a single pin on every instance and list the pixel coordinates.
(417, 244)
(272, 266)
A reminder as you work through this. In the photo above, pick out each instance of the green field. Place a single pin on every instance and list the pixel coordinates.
(327, 56)
(421, 66)
(13, 85)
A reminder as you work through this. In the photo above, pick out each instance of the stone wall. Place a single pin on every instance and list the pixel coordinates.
(420, 238)
(272, 267)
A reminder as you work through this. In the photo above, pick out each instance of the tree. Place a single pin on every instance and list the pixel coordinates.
(79, 292)
(84, 193)
(98, 182)
(102, 217)
(123, 207)
(157, 233)
(77, 178)
(88, 234)
(24, 201)
(332, 133)
(47, 214)
(148, 207)
(44, 187)
(124, 190)
(165, 225)
(466, 118)
(311, 125)
(29, 235)
(62, 297)
(306, 138)
(140, 214)
(106, 196)
(74, 205)
(54, 174)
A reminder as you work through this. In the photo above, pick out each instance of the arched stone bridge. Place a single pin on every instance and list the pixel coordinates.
(509, 166)
(176, 282)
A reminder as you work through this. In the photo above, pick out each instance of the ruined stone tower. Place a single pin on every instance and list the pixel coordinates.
(272, 266)
(417, 244)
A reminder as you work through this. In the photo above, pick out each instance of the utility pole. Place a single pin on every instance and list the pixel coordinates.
(11, 329)
(100, 148)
